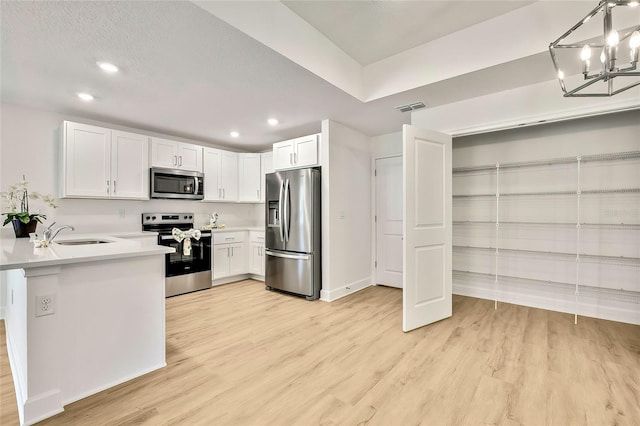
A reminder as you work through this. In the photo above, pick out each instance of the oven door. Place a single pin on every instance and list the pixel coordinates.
(178, 263)
(170, 183)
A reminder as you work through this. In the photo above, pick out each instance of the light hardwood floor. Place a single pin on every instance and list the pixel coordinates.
(239, 355)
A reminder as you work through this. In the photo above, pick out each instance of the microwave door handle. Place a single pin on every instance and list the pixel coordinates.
(280, 198)
(196, 186)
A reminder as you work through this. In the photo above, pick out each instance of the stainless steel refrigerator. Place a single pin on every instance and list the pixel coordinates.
(292, 234)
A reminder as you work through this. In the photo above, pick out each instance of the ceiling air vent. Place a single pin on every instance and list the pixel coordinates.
(410, 107)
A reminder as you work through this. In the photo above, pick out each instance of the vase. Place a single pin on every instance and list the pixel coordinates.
(22, 229)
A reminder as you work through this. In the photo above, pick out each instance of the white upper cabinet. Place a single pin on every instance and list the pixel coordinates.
(266, 164)
(175, 155)
(296, 153)
(249, 177)
(220, 175)
(283, 155)
(102, 163)
(129, 165)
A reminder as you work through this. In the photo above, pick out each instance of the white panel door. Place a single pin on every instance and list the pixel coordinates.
(283, 155)
(190, 157)
(249, 177)
(87, 161)
(389, 248)
(129, 165)
(306, 151)
(229, 176)
(211, 166)
(426, 295)
(164, 153)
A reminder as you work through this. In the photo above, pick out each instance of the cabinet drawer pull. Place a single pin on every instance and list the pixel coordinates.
(175, 160)
(107, 187)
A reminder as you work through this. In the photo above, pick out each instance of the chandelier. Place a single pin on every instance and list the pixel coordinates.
(615, 66)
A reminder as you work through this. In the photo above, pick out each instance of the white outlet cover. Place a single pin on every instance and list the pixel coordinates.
(45, 305)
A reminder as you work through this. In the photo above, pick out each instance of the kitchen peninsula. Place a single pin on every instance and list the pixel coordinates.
(82, 315)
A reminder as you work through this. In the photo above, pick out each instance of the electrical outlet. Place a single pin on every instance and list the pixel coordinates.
(45, 305)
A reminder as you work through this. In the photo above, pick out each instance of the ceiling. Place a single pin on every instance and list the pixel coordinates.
(199, 70)
(373, 30)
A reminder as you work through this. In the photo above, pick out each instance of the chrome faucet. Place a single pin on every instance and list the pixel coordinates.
(50, 234)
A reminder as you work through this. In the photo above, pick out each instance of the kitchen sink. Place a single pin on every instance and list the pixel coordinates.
(81, 242)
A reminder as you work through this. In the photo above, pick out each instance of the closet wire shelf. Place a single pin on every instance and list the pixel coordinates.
(629, 155)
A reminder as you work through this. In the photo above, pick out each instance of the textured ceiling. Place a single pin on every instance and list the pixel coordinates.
(369, 31)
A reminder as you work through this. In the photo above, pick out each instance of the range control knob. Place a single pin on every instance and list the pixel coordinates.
(154, 218)
(148, 217)
(185, 217)
(190, 217)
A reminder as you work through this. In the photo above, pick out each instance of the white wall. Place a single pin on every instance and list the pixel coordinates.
(29, 146)
(386, 145)
(531, 267)
(346, 209)
(523, 106)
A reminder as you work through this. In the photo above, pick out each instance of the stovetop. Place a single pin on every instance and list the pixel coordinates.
(165, 222)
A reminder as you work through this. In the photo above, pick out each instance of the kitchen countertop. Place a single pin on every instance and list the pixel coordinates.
(19, 253)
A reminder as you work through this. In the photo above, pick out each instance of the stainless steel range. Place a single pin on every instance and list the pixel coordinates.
(184, 272)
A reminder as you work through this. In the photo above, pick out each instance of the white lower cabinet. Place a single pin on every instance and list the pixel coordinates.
(229, 254)
(256, 253)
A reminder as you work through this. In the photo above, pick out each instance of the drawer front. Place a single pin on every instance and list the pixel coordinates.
(228, 237)
(256, 236)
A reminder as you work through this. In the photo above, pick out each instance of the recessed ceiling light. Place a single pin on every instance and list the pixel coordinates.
(107, 67)
(273, 121)
(85, 96)
(234, 134)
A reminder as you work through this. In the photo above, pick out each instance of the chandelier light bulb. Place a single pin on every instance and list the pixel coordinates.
(633, 4)
(613, 38)
(603, 58)
(585, 54)
(634, 40)
(561, 75)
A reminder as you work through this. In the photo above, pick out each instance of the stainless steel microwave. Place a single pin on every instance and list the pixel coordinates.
(173, 183)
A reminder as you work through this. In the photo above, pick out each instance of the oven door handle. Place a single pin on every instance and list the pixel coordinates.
(170, 237)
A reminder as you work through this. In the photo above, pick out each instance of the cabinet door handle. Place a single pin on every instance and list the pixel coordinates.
(114, 187)
(295, 158)
(228, 252)
(219, 196)
(180, 160)
(291, 159)
(231, 251)
(224, 193)
(175, 160)
(107, 187)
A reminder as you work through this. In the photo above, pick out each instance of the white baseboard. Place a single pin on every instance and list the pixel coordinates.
(113, 383)
(591, 302)
(335, 294)
(257, 277)
(227, 280)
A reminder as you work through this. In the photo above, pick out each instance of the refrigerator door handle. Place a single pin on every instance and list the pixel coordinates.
(280, 198)
(287, 211)
(287, 255)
